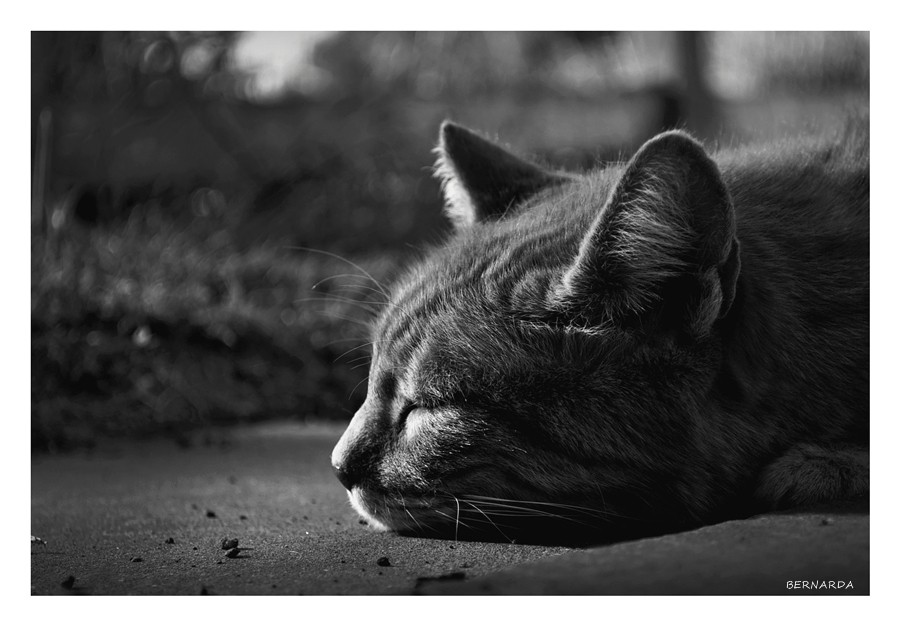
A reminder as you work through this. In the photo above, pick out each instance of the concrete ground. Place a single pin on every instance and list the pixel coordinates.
(149, 518)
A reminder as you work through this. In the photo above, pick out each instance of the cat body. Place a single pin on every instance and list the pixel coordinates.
(646, 347)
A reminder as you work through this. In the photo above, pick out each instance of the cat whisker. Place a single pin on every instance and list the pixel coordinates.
(603, 514)
(357, 303)
(422, 525)
(488, 518)
(478, 521)
(355, 286)
(522, 512)
(366, 274)
(364, 380)
(573, 507)
(346, 339)
(336, 276)
(457, 522)
(456, 500)
(411, 516)
(353, 349)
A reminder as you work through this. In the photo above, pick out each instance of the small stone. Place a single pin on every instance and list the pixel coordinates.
(243, 517)
(136, 559)
(383, 562)
(210, 513)
(229, 544)
(827, 521)
(363, 522)
(232, 554)
(170, 540)
(68, 583)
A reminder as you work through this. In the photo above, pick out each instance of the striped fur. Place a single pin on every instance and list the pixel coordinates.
(646, 347)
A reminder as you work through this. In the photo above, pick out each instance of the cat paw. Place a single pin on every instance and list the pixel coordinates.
(808, 474)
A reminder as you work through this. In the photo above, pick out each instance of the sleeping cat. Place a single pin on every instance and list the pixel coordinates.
(643, 348)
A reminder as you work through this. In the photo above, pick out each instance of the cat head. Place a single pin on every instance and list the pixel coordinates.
(537, 371)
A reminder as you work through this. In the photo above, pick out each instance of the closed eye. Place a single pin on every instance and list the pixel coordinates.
(420, 403)
(416, 420)
(404, 414)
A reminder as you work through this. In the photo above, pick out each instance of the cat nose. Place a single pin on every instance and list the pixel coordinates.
(345, 458)
(353, 453)
(348, 479)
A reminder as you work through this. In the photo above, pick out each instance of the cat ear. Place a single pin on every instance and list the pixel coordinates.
(663, 249)
(481, 180)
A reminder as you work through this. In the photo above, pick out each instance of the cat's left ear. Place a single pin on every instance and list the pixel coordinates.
(481, 180)
(662, 252)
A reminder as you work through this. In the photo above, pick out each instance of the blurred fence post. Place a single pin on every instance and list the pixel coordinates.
(700, 110)
(41, 167)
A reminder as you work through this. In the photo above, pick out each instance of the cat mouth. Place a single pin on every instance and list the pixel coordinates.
(398, 512)
(486, 518)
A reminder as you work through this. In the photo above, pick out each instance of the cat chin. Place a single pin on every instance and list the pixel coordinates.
(369, 504)
(357, 501)
(410, 514)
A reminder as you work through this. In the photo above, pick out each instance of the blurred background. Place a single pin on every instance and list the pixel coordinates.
(211, 210)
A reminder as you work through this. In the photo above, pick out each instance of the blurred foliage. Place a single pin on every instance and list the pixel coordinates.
(154, 327)
(186, 169)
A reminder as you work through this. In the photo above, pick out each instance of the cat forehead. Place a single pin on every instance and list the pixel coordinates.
(486, 287)
(543, 222)
(477, 263)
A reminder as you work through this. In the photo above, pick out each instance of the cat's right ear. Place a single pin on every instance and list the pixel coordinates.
(663, 251)
(481, 180)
